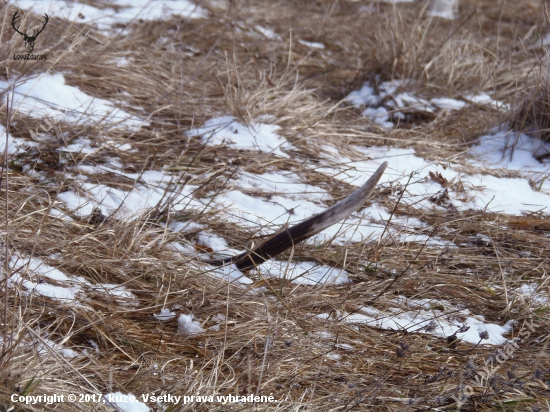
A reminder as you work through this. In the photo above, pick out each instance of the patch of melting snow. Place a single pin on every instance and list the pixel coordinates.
(409, 101)
(226, 130)
(186, 226)
(128, 204)
(125, 402)
(424, 320)
(159, 9)
(60, 215)
(46, 346)
(165, 314)
(506, 195)
(312, 44)
(81, 145)
(230, 273)
(443, 8)
(15, 144)
(119, 292)
(270, 34)
(107, 17)
(281, 183)
(188, 326)
(63, 294)
(529, 291)
(379, 115)
(252, 211)
(447, 103)
(304, 273)
(216, 243)
(34, 97)
(400, 103)
(74, 285)
(484, 98)
(512, 151)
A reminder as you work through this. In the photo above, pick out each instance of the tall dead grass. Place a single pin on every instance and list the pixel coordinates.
(272, 336)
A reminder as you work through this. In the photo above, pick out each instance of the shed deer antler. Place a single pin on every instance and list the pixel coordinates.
(29, 40)
(304, 230)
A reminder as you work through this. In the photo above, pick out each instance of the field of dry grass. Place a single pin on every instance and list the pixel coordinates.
(301, 342)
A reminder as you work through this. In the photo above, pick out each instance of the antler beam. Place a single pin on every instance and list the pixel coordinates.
(306, 229)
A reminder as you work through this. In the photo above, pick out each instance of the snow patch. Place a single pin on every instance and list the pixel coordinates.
(186, 325)
(225, 130)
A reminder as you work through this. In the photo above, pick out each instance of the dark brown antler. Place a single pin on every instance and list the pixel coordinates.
(13, 21)
(43, 27)
(304, 230)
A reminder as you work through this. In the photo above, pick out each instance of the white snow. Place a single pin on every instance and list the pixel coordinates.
(421, 318)
(60, 215)
(447, 103)
(51, 291)
(511, 150)
(119, 292)
(81, 145)
(225, 130)
(81, 206)
(305, 273)
(129, 204)
(484, 98)
(105, 18)
(506, 195)
(125, 403)
(186, 226)
(443, 8)
(379, 115)
(409, 101)
(212, 241)
(229, 273)
(365, 96)
(15, 144)
(285, 183)
(45, 345)
(252, 211)
(529, 292)
(186, 325)
(47, 95)
(159, 9)
(398, 103)
(165, 314)
(40, 268)
(269, 33)
(67, 289)
(312, 44)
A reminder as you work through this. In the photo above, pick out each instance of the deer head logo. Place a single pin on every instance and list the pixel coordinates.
(29, 40)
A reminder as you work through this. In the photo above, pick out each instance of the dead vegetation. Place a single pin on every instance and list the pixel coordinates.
(273, 336)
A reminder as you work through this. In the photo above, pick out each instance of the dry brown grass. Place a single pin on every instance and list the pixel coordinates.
(184, 72)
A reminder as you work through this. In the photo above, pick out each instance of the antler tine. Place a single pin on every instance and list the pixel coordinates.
(14, 21)
(44, 25)
(304, 230)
